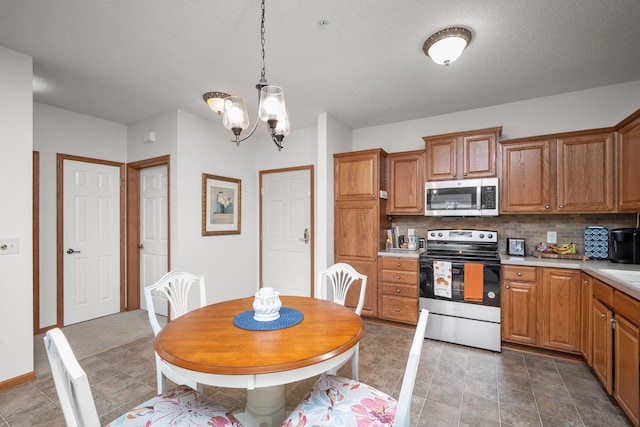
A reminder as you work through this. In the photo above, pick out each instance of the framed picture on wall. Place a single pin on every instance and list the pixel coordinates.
(221, 200)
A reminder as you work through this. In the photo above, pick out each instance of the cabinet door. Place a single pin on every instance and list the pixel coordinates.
(585, 173)
(526, 177)
(406, 183)
(370, 269)
(519, 312)
(479, 155)
(356, 233)
(602, 344)
(356, 176)
(627, 373)
(559, 309)
(442, 159)
(586, 293)
(628, 170)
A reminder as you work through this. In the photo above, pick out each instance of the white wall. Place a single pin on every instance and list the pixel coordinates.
(16, 274)
(587, 109)
(333, 137)
(56, 130)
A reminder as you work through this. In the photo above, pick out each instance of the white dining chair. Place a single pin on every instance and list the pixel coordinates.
(341, 401)
(180, 406)
(333, 285)
(176, 288)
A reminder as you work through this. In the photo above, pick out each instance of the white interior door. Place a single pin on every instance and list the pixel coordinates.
(286, 232)
(91, 206)
(154, 231)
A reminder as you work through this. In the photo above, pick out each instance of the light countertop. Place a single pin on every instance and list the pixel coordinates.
(591, 267)
(402, 253)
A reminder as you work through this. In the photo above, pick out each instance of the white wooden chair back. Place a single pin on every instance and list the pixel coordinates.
(175, 287)
(340, 276)
(71, 382)
(403, 411)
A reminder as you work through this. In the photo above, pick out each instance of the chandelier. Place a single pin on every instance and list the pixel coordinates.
(272, 109)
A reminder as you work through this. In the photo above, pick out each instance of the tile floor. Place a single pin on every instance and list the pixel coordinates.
(456, 386)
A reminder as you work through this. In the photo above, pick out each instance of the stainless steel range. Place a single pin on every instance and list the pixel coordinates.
(460, 286)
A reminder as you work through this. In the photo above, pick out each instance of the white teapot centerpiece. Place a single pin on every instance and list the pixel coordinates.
(266, 305)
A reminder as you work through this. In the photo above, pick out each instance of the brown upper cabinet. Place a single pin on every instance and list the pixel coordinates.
(406, 183)
(461, 155)
(358, 176)
(628, 168)
(566, 173)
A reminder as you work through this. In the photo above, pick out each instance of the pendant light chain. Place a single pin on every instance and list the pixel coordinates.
(262, 74)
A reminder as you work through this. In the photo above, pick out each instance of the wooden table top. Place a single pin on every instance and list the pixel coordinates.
(206, 340)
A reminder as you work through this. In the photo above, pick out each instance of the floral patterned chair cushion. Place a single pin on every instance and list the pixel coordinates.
(337, 401)
(181, 405)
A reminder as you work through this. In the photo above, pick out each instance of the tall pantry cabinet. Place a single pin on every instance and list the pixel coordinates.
(360, 220)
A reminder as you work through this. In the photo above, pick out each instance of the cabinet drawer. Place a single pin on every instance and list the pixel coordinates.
(400, 309)
(400, 290)
(603, 292)
(627, 307)
(392, 263)
(408, 277)
(519, 273)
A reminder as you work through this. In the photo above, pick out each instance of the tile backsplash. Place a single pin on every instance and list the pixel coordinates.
(532, 228)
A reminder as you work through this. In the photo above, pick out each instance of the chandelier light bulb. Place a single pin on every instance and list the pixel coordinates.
(235, 114)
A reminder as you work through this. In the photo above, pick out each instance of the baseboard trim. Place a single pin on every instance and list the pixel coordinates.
(12, 382)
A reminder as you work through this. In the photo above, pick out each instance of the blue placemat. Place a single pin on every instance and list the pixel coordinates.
(288, 317)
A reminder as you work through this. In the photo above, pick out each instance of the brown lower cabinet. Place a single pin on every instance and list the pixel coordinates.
(399, 289)
(541, 307)
(569, 311)
(616, 345)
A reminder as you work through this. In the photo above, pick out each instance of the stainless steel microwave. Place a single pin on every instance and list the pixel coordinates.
(465, 197)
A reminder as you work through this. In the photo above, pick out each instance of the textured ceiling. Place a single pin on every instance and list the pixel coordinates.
(127, 60)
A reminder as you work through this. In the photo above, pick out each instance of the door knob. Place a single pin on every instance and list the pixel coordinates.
(141, 246)
(306, 235)
(71, 251)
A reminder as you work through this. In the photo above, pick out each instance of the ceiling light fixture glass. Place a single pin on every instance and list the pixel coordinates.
(271, 106)
(215, 100)
(447, 45)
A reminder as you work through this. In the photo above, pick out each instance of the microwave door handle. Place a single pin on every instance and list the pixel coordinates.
(479, 197)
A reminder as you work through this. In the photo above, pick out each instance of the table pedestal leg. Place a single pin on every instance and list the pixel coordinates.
(265, 407)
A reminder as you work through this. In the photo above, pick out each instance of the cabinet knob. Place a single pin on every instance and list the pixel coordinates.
(398, 277)
(586, 282)
(454, 175)
(397, 308)
(604, 316)
(465, 174)
(561, 206)
(547, 206)
(398, 290)
(398, 264)
(519, 273)
(373, 259)
(419, 209)
(507, 287)
(373, 196)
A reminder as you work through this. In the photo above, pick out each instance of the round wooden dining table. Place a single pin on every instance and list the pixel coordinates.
(207, 346)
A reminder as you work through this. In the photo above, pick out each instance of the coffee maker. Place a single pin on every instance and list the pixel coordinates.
(624, 247)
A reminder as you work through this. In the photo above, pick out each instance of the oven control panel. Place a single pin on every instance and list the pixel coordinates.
(449, 235)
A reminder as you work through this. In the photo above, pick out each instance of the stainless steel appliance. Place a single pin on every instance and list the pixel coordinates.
(625, 246)
(468, 312)
(466, 197)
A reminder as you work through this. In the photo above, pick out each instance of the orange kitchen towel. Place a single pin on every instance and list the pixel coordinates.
(473, 281)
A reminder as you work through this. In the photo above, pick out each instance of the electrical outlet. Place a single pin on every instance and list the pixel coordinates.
(552, 237)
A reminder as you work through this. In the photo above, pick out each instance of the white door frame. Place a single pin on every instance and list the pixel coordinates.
(311, 219)
(60, 230)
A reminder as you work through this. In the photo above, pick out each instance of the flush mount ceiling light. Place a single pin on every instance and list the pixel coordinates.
(447, 45)
(215, 100)
(271, 106)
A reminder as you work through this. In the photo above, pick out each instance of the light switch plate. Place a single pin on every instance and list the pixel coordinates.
(552, 237)
(9, 246)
